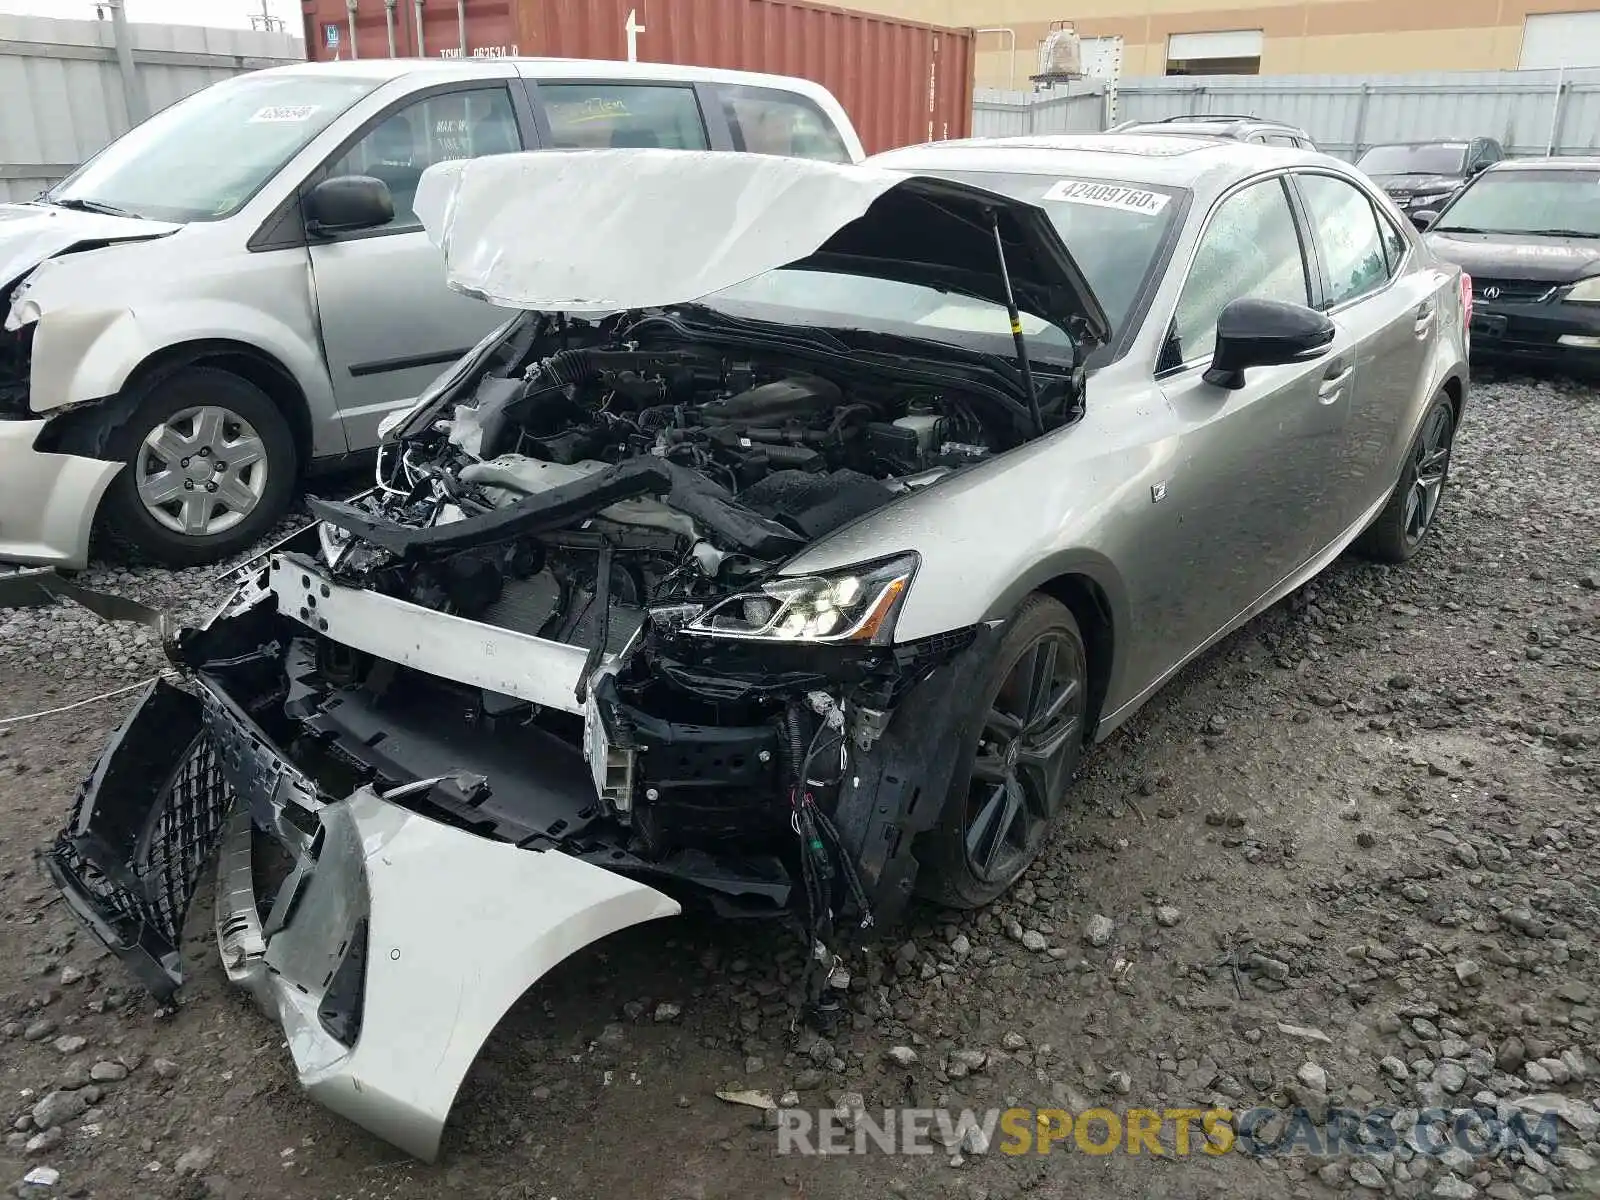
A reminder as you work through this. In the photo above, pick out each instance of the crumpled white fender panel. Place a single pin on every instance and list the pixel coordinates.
(595, 231)
(459, 927)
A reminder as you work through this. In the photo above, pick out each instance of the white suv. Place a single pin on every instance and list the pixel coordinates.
(239, 289)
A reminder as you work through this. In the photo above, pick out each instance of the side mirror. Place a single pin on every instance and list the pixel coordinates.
(348, 203)
(1422, 218)
(1265, 333)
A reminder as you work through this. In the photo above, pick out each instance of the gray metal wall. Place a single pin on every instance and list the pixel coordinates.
(1528, 111)
(64, 98)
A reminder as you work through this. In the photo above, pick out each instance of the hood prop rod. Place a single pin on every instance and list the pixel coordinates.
(1016, 327)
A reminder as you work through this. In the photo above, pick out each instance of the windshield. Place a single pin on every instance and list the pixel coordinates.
(1112, 229)
(1441, 158)
(203, 158)
(1527, 202)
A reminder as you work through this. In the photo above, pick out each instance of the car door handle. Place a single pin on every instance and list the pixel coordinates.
(1425, 315)
(1333, 381)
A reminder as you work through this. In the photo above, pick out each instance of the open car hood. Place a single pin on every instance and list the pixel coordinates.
(606, 230)
(31, 233)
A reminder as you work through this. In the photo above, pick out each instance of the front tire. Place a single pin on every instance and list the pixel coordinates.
(210, 466)
(1022, 741)
(1403, 525)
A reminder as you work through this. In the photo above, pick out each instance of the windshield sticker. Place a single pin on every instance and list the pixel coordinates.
(1107, 195)
(285, 112)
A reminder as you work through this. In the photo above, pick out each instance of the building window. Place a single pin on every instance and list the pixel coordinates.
(1228, 52)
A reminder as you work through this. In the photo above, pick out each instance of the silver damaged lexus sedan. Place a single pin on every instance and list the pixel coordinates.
(781, 554)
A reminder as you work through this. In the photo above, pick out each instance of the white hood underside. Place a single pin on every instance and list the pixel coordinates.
(594, 231)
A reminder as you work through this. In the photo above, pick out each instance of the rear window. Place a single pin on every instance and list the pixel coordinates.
(588, 116)
(1440, 158)
(768, 121)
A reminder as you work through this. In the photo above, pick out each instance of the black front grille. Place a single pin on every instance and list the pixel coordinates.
(187, 830)
(143, 827)
(154, 890)
(1511, 291)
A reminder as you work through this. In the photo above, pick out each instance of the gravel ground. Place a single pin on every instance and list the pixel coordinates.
(1349, 859)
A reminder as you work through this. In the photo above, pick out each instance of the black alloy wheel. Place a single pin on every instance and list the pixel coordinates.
(1026, 736)
(1426, 470)
(1397, 533)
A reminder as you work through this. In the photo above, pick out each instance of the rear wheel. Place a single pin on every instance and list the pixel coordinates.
(1403, 525)
(1023, 739)
(210, 468)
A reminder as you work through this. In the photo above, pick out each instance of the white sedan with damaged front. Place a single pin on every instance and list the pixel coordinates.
(781, 556)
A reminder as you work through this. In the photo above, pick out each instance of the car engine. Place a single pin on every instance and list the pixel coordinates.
(691, 465)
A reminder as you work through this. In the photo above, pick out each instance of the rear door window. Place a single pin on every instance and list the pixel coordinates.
(1345, 227)
(1394, 242)
(769, 121)
(589, 116)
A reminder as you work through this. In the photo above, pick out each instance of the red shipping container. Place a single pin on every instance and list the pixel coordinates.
(900, 81)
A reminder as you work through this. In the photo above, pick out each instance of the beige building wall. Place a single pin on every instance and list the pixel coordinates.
(1299, 37)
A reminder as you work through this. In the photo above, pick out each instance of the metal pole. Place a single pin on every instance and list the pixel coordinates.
(350, 12)
(388, 17)
(1555, 112)
(132, 92)
(1361, 121)
(1012, 34)
(461, 25)
(422, 50)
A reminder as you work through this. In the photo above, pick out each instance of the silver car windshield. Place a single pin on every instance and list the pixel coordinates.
(203, 158)
(1113, 230)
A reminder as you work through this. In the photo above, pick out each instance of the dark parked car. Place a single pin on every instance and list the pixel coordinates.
(1225, 125)
(1528, 232)
(1424, 175)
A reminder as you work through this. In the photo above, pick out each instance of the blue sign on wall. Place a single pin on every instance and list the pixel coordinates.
(330, 36)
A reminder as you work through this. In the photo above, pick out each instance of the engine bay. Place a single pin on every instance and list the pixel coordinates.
(693, 457)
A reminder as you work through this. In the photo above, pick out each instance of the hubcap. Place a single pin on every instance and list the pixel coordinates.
(1429, 464)
(1023, 753)
(202, 471)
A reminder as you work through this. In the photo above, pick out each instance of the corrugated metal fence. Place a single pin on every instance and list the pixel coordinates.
(64, 95)
(1527, 111)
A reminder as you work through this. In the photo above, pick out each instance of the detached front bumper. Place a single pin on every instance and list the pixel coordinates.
(389, 951)
(1545, 331)
(47, 501)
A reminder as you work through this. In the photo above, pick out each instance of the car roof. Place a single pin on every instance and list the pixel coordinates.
(1575, 163)
(1201, 164)
(1462, 142)
(446, 69)
(1220, 123)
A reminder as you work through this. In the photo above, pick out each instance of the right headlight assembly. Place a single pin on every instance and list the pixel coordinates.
(854, 606)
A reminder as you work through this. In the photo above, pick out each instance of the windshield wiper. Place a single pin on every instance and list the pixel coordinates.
(1577, 233)
(1464, 229)
(94, 206)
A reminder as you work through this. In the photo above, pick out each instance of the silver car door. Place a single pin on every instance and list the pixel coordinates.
(389, 323)
(1237, 511)
(1389, 312)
